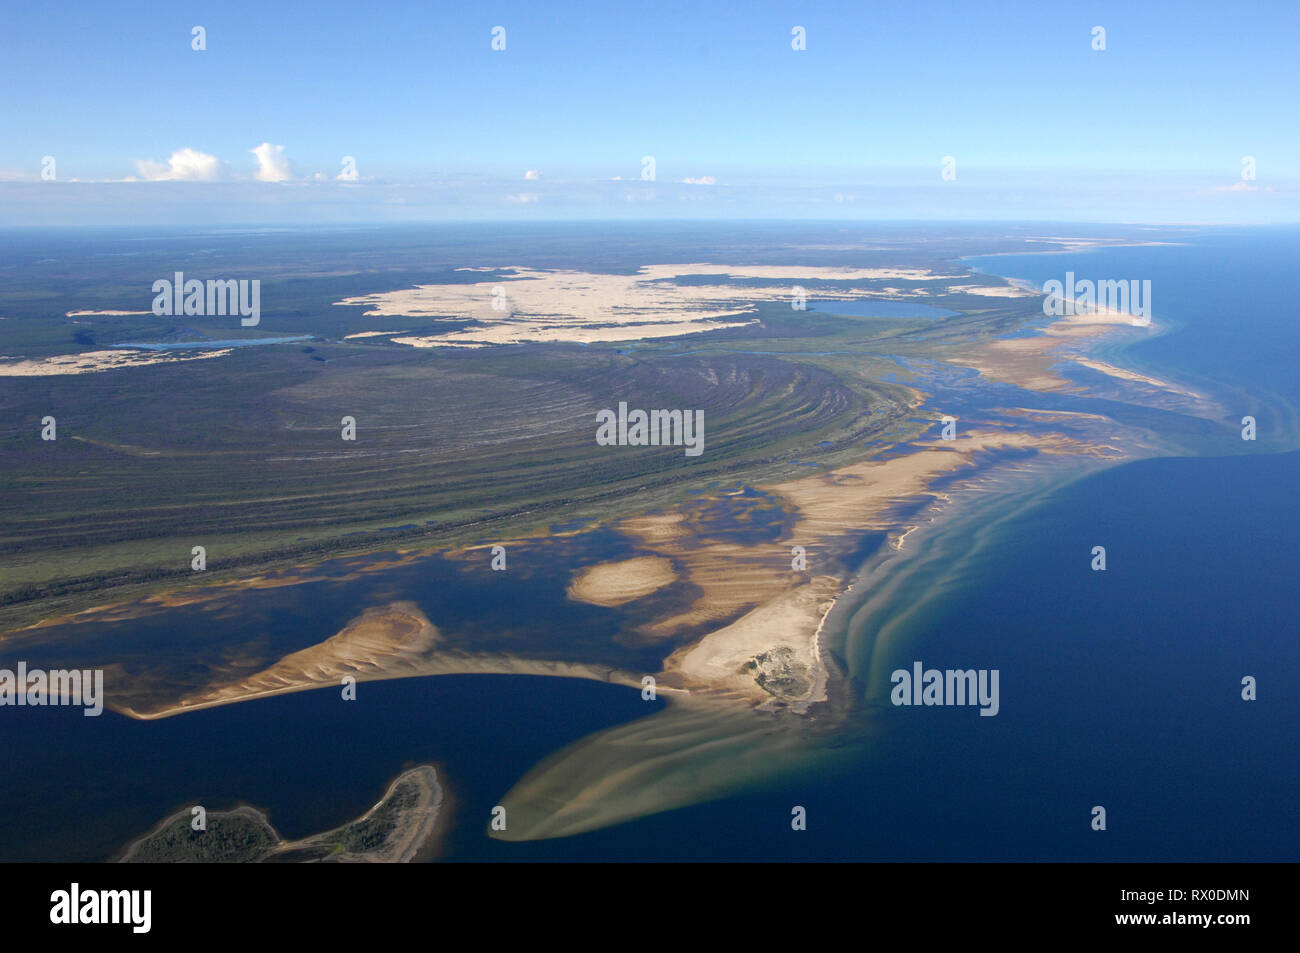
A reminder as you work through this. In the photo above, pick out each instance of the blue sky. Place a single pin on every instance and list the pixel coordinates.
(1040, 125)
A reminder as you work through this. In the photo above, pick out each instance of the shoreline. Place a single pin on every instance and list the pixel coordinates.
(1128, 369)
(412, 833)
(764, 670)
(770, 654)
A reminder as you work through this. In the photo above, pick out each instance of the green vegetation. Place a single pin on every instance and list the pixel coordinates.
(244, 835)
(231, 838)
(243, 454)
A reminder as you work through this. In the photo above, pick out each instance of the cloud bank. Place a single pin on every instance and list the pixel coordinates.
(185, 165)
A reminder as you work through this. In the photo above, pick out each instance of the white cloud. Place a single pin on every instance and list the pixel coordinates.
(523, 198)
(532, 174)
(701, 180)
(185, 165)
(272, 165)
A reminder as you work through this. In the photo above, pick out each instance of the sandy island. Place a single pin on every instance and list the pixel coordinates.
(401, 826)
(613, 584)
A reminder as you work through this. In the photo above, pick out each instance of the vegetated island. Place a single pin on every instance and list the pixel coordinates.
(400, 827)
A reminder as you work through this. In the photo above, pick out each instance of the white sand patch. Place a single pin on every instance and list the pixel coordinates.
(90, 362)
(518, 332)
(1084, 244)
(793, 272)
(612, 584)
(1099, 315)
(991, 291)
(1127, 375)
(536, 305)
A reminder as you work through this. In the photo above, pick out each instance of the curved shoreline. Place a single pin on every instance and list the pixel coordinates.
(410, 835)
(772, 629)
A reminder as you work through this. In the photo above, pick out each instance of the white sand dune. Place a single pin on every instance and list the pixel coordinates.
(532, 305)
(90, 362)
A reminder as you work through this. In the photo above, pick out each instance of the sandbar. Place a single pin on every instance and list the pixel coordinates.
(613, 584)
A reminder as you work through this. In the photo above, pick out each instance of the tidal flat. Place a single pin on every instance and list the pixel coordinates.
(761, 596)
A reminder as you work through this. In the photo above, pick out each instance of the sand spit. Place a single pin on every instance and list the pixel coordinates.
(862, 495)
(792, 272)
(392, 641)
(389, 640)
(374, 334)
(531, 305)
(764, 651)
(765, 648)
(613, 584)
(770, 651)
(90, 362)
(725, 733)
(1024, 362)
(724, 727)
(1133, 376)
(1084, 244)
(1032, 362)
(1042, 415)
